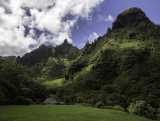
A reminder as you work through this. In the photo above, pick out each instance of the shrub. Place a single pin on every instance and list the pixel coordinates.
(158, 114)
(62, 103)
(23, 101)
(107, 107)
(85, 104)
(3, 101)
(116, 107)
(99, 104)
(141, 108)
(28, 101)
(19, 100)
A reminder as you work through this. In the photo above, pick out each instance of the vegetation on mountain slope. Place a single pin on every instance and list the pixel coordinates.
(36, 56)
(48, 62)
(120, 68)
(16, 87)
(123, 66)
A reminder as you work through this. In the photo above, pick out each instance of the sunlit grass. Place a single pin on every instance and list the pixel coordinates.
(83, 71)
(54, 83)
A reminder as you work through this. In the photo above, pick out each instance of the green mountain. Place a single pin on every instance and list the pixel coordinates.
(131, 17)
(66, 50)
(21, 82)
(120, 69)
(36, 56)
(48, 62)
(133, 24)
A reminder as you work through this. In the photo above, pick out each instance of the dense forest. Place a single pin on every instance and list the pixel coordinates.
(118, 70)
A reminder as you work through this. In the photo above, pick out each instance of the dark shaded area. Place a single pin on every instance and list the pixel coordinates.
(38, 55)
(17, 88)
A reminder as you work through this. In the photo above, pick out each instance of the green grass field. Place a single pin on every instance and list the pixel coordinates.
(63, 113)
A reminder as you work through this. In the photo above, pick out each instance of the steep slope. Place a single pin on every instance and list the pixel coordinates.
(36, 56)
(48, 62)
(133, 24)
(131, 17)
(66, 50)
(120, 67)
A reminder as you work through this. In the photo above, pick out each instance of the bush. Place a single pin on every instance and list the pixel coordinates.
(3, 101)
(23, 101)
(99, 104)
(107, 107)
(116, 107)
(141, 108)
(85, 104)
(158, 114)
(28, 101)
(62, 103)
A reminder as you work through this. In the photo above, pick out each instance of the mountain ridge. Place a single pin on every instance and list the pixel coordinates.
(130, 17)
(120, 68)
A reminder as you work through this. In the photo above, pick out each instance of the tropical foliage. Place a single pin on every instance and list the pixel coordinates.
(120, 69)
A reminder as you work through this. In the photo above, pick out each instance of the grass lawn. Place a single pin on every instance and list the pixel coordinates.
(63, 113)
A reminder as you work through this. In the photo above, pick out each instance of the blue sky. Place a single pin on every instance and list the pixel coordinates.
(25, 25)
(111, 7)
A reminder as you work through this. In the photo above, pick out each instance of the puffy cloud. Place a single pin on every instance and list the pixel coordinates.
(44, 15)
(93, 37)
(109, 18)
(12, 40)
(39, 4)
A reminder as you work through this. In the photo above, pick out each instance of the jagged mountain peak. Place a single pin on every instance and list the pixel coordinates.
(64, 44)
(130, 17)
(66, 50)
(36, 56)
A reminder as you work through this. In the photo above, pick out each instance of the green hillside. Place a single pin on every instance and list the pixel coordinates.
(119, 69)
(48, 62)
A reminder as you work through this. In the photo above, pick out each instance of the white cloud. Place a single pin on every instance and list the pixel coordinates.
(109, 18)
(40, 4)
(12, 40)
(93, 37)
(46, 15)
